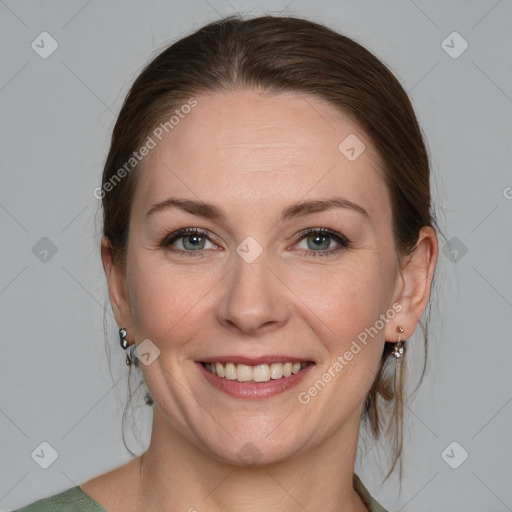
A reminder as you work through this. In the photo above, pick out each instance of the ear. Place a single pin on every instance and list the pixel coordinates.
(413, 284)
(117, 288)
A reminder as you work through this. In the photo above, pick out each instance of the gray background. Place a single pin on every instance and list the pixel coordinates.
(57, 116)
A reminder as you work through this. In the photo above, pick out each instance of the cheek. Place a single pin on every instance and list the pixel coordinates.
(345, 297)
(345, 306)
(166, 302)
(343, 313)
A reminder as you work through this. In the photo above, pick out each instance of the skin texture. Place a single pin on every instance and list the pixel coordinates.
(252, 155)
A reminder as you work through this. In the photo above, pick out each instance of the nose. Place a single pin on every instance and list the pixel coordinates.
(255, 298)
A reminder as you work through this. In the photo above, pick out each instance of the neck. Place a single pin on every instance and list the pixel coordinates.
(174, 471)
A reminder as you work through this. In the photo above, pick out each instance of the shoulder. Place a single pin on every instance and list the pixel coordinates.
(371, 503)
(71, 500)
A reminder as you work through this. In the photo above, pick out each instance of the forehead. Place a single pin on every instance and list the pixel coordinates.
(245, 149)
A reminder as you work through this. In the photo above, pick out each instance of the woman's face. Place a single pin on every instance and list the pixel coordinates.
(253, 173)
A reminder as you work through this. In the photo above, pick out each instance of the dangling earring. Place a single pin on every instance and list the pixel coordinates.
(399, 348)
(398, 352)
(131, 358)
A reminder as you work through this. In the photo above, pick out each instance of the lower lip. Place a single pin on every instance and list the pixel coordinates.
(254, 389)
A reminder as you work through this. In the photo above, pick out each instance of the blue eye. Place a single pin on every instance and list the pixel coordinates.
(192, 240)
(320, 239)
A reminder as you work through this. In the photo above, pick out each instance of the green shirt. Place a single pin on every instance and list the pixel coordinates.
(76, 500)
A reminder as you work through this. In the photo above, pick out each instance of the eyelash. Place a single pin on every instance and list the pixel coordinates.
(342, 240)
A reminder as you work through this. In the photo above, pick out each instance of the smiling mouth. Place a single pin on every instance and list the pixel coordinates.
(258, 373)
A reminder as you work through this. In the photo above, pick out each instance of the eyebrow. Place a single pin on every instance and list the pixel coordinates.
(299, 209)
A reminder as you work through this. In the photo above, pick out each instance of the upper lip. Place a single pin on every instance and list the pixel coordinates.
(254, 361)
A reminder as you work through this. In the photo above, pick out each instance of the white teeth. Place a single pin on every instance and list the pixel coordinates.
(276, 371)
(243, 373)
(296, 368)
(259, 373)
(230, 371)
(219, 369)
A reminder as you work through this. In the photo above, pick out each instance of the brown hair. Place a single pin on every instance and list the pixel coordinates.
(272, 55)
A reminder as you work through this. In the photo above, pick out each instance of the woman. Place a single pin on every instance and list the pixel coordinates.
(269, 246)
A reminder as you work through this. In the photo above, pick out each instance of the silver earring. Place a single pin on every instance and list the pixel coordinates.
(122, 338)
(399, 348)
(131, 358)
